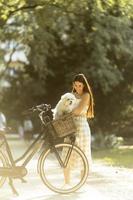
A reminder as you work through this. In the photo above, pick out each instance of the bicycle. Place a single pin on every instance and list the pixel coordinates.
(52, 160)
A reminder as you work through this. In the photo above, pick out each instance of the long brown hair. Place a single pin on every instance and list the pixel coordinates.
(81, 78)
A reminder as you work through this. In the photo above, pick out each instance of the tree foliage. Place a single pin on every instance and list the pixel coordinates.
(61, 38)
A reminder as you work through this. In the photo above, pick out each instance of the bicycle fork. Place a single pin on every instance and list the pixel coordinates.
(62, 163)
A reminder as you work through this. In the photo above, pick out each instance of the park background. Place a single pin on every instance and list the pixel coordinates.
(44, 43)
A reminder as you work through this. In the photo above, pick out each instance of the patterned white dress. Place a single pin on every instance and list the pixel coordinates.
(83, 138)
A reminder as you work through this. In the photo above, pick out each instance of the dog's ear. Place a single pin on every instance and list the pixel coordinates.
(68, 94)
(63, 96)
(53, 110)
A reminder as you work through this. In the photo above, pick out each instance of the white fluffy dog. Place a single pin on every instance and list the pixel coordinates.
(66, 104)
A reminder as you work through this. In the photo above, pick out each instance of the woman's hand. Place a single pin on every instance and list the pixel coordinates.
(75, 112)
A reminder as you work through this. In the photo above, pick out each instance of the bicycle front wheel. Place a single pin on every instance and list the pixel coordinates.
(53, 174)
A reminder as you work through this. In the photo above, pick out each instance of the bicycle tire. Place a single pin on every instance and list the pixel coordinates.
(48, 161)
(3, 163)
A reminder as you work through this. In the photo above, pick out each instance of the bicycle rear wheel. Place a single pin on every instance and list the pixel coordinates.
(3, 163)
(52, 174)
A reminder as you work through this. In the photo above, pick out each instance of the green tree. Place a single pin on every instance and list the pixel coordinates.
(62, 38)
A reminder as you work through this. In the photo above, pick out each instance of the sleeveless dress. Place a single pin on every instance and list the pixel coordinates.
(83, 138)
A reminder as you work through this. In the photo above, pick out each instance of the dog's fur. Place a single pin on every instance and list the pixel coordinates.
(66, 104)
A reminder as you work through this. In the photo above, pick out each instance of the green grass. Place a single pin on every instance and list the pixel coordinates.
(122, 157)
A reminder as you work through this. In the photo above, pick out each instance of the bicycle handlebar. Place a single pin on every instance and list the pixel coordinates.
(41, 108)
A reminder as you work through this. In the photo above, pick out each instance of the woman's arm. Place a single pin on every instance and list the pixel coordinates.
(84, 102)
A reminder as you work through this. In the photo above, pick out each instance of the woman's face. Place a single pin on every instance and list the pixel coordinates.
(78, 86)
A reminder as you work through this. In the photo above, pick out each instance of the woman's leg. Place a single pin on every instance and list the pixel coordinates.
(67, 175)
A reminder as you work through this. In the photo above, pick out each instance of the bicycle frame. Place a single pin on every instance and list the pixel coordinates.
(32, 150)
(12, 170)
(28, 154)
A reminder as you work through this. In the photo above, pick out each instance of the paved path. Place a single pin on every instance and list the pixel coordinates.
(104, 183)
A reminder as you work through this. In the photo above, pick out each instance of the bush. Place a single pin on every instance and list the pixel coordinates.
(103, 141)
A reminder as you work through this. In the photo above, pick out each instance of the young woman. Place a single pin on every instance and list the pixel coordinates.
(84, 110)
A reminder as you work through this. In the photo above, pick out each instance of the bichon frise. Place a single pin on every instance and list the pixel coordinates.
(66, 104)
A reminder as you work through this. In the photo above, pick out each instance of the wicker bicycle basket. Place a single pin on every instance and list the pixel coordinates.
(63, 127)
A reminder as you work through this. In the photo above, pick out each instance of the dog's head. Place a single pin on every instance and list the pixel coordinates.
(65, 105)
(68, 99)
